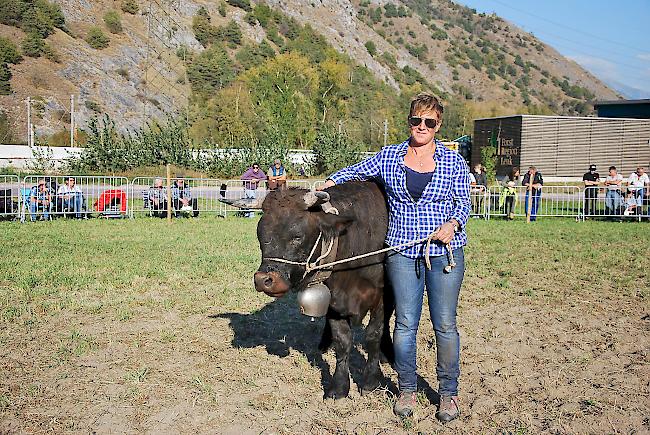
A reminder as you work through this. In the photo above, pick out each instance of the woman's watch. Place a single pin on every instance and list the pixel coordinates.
(456, 225)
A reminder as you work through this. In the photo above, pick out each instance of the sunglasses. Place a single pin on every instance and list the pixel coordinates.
(256, 167)
(415, 121)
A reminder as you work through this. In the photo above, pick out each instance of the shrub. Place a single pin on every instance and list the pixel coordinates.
(113, 21)
(91, 105)
(222, 9)
(333, 151)
(130, 7)
(372, 48)
(96, 38)
(9, 52)
(210, 71)
(242, 4)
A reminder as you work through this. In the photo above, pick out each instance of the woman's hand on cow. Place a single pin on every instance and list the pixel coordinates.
(446, 232)
(328, 183)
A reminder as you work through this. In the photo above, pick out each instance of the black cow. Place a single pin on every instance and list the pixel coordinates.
(289, 229)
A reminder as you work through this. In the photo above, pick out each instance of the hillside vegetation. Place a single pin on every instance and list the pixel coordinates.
(246, 74)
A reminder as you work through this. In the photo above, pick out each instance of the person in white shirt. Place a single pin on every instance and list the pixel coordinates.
(638, 182)
(70, 197)
(613, 197)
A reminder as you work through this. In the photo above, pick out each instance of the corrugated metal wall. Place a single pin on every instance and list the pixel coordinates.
(566, 146)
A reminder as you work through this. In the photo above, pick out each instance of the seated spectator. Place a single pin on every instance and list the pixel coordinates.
(40, 199)
(251, 180)
(613, 197)
(638, 182)
(630, 203)
(158, 199)
(182, 200)
(478, 190)
(277, 176)
(70, 197)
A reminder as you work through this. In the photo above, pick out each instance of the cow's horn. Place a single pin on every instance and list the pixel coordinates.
(314, 197)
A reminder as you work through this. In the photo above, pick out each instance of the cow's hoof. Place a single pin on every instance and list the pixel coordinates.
(336, 394)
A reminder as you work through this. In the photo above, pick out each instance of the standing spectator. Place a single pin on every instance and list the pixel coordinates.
(613, 197)
(71, 197)
(158, 198)
(251, 179)
(479, 189)
(182, 198)
(638, 182)
(591, 180)
(508, 199)
(277, 176)
(39, 199)
(533, 181)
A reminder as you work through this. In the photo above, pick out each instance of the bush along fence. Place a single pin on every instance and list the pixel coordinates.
(44, 197)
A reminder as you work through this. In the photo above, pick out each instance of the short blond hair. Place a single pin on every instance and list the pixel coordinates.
(426, 102)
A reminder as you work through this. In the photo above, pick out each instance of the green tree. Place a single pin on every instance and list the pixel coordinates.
(284, 90)
(250, 56)
(242, 4)
(5, 77)
(222, 9)
(113, 21)
(33, 45)
(203, 30)
(9, 52)
(96, 38)
(210, 71)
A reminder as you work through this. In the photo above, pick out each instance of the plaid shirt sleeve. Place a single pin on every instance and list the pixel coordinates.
(364, 170)
(460, 193)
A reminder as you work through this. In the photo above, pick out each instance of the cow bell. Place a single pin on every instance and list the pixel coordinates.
(314, 300)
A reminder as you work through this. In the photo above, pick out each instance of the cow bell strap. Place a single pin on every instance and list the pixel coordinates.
(328, 255)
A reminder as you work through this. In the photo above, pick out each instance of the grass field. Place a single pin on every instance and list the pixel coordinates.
(139, 326)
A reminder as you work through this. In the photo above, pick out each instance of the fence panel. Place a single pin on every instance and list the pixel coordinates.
(45, 197)
(189, 196)
(560, 201)
(9, 197)
(479, 197)
(615, 203)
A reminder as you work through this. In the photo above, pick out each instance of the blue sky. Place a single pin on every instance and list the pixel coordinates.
(609, 38)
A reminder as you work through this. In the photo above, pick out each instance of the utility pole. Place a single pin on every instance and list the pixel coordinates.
(29, 121)
(72, 120)
(385, 132)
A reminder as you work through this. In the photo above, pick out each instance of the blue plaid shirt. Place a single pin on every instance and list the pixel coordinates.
(445, 197)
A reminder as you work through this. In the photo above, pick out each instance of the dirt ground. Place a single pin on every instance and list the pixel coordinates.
(547, 347)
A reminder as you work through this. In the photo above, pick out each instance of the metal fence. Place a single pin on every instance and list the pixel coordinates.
(41, 197)
(189, 196)
(615, 203)
(558, 201)
(44, 197)
(9, 196)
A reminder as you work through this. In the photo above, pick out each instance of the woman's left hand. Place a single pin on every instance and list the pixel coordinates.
(446, 232)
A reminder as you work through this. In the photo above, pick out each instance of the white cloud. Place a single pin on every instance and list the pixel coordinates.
(598, 66)
(615, 76)
(645, 56)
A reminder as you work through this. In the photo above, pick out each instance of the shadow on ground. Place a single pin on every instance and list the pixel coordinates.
(279, 327)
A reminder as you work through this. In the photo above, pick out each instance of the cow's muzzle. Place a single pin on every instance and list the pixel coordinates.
(271, 283)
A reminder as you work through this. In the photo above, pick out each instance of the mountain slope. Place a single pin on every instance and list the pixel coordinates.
(479, 60)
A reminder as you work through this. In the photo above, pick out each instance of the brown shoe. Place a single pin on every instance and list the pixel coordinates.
(449, 409)
(405, 404)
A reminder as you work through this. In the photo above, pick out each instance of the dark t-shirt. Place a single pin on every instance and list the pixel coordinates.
(416, 182)
(591, 191)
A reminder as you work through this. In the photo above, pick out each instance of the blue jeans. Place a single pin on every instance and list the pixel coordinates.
(408, 277)
(251, 194)
(613, 201)
(75, 203)
(34, 207)
(537, 195)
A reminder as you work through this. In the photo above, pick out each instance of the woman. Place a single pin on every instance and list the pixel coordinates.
(428, 189)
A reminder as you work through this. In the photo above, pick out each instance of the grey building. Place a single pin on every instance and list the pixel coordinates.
(623, 109)
(563, 146)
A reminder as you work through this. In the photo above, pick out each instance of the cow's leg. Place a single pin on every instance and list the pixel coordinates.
(342, 339)
(326, 339)
(372, 372)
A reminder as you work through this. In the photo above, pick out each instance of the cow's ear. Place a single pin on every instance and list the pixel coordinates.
(314, 197)
(333, 224)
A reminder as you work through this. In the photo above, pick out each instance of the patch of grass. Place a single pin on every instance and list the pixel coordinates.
(138, 375)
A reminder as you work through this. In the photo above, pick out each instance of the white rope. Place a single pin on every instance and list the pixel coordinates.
(310, 267)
